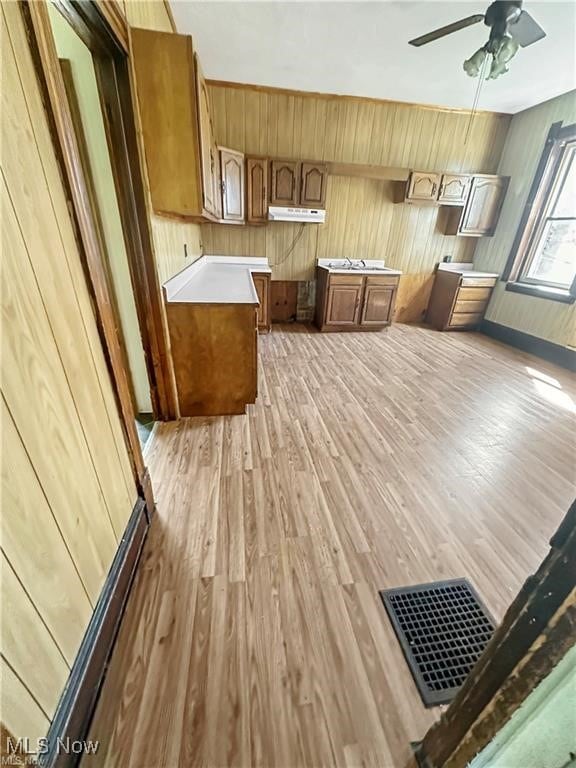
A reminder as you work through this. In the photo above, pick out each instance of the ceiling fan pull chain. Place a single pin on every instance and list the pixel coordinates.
(476, 98)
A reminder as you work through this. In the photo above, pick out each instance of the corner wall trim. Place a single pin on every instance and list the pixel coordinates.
(78, 701)
(547, 350)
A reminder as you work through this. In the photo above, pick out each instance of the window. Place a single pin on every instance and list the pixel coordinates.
(543, 258)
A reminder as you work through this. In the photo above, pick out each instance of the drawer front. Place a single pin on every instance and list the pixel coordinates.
(479, 281)
(470, 306)
(382, 280)
(473, 294)
(346, 279)
(465, 319)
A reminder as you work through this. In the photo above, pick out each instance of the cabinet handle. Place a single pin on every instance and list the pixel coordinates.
(434, 189)
(223, 186)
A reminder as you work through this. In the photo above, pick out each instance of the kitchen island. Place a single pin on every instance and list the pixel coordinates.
(212, 311)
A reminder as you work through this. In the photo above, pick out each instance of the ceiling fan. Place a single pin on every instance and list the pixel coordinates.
(510, 27)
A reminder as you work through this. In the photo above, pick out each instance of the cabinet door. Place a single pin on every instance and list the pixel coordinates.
(343, 304)
(208, 153)
(483, 206)
(313, 181)
(232, 171)
(454, 189)
(377, 307)
(257, 189)
(284, 182)
(166, 96)
(262, 285)
(422, 186)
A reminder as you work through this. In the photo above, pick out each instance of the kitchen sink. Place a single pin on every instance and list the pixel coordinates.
(355, 267)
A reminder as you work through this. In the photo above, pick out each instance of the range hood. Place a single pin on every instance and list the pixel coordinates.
(310, 215)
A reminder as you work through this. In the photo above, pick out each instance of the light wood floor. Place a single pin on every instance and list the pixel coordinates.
(254, 635)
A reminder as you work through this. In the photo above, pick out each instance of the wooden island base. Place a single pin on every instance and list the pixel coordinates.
(214, 351)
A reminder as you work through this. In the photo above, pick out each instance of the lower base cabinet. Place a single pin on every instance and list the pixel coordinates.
(214, 354)
(458, 302)
(354, 302)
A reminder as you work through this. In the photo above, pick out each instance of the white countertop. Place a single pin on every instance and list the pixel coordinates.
(373, 267)
(217, 280)
(465, 268)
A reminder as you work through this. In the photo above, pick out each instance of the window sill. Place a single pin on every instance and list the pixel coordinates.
(543, 292)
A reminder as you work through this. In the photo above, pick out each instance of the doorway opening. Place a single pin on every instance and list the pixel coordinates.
(89, 125)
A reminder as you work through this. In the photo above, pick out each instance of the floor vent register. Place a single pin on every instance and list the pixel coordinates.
(443, 627)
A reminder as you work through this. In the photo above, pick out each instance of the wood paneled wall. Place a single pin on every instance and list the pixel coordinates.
(67, 483)
(542, 318)
(361, 221)
(169, 236)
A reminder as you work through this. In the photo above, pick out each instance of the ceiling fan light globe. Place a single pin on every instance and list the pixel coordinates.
(505, 49)
(473, 65)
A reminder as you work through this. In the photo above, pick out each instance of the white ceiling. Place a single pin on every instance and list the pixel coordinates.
(361, 49)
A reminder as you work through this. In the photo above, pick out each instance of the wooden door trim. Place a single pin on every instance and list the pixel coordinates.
(119, 102)
(73, 103)
(65, 144)
(537, 630)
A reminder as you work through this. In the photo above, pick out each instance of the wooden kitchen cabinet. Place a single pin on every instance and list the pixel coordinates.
(378, 301)
(257, 190)
(479, 215)
(262, 285)
(232, 173)
(354, 302)
(298, 184)
(458, 302)
(284, 182)
(180, 150)
(343, 300)
(454, 188)
(422, 186)
(215, 357)
(483, 206)
(313, 181)
(209, 157)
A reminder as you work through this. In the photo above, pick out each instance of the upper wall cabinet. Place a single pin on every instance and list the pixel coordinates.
(298, 184)
(454, 188)
(232, 172)
(483, 206)
(423, 186)
(181, 153)
(257, 190)
(313, 181)
(285, 182)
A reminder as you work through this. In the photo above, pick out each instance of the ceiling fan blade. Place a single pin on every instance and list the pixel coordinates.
(447, 30)
(526, 31)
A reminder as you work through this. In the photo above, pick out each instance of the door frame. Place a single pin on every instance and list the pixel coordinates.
(104, 30)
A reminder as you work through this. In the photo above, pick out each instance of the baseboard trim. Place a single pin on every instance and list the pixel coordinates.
(547, 350)
(77, 703)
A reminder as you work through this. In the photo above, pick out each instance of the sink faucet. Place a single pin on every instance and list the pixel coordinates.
(349, 260)
(363, 263)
